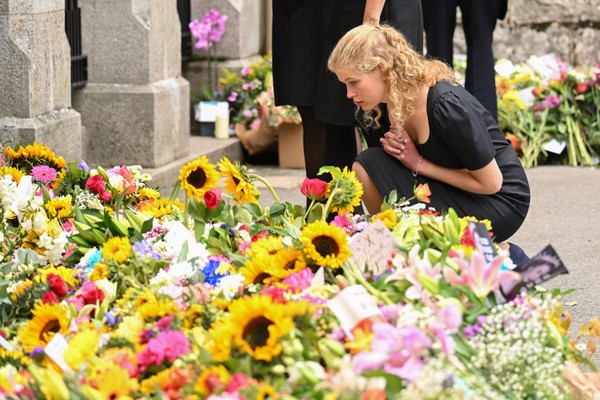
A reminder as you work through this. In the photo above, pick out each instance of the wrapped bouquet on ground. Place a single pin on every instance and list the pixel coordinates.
(110, 290)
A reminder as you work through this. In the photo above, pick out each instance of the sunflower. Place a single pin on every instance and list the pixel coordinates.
(34, 154)
(258, 324)
(20, 289)
(197, 177)
(270, 245)
(161, 207)
(117, 248)
(260, 271)
(238, 183)
(15, 173)
(149, 306)
(290, 261)
(48, 319)
(325, 244)
(60, 207)
(267, 392)
(346, 190)
(148, 193)
(69, 275)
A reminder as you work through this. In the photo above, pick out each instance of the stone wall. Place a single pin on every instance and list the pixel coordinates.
(568, 28)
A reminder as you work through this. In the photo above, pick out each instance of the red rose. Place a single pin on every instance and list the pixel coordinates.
(57, 285)
(96, 184)
(91, 294)
(105, 196)
(212, 198)
(49, 298)
(581, 87)
(314, 189)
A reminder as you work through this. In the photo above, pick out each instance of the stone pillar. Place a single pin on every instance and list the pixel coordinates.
(135, 107)
(35, 87)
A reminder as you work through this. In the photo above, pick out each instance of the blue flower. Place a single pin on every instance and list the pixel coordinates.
(211, 275)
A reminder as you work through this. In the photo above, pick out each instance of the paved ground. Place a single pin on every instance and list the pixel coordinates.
(565, 212)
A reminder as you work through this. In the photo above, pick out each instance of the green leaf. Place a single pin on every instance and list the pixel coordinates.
(175, 191)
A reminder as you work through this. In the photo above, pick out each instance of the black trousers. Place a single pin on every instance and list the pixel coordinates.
(479, 19)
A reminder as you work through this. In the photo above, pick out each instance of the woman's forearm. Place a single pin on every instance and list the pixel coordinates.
(373, 9)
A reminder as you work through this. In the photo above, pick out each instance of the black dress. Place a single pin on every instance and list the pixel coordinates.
(304, 34)
(462, 134)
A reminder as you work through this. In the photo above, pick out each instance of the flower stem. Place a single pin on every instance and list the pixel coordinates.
(359, 277)
(268, 185)
(325, 212)
(312, 203)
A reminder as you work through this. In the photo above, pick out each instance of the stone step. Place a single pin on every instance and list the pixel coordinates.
(164, 177)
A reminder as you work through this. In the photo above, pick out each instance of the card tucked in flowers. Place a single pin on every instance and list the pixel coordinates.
(373, 249)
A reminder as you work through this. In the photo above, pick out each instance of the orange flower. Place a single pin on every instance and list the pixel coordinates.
(422, 193)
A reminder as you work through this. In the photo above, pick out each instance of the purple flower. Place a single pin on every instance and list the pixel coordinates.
(144, 249)
(83, 166)
(43, 173)
(209, 30)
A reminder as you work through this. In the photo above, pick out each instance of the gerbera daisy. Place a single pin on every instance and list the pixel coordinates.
(326, 245)
(197, 177)
(117, 248)
(345, 189)
(43, 173)
(238, 183)
(60, 207)
(48, 320)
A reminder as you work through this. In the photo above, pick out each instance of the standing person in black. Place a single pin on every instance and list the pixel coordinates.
(304, 33)
(479, 19)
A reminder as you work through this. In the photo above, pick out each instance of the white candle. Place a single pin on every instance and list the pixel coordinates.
(222, 126)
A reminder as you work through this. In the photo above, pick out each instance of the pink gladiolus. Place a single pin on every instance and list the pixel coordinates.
(314, 189)
(480, 277)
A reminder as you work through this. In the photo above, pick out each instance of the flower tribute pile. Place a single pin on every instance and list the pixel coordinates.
(109, 290)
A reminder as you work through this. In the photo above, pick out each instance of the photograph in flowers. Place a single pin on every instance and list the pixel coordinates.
(109, 289)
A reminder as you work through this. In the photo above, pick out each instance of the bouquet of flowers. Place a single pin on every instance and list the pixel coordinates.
(122, 293)
(545, 106)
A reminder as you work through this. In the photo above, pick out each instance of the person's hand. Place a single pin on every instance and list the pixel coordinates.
(399, 145)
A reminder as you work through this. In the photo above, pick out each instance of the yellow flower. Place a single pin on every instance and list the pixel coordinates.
(36, 152)
(326, 245)
(148, 193)
(345, 189)
(260, 271)
(161, 207)
(20, 289)
(113, 381)
(198, 177)
(511, 101)
(116, 248)
(388, 217)
(256, 325)
(290, 261)
(238, 183)
(82, 346)
(218, 371)
(149, 306)
(15, 173)
(100, 272)
(267, 392)
(130, 329)
(60, 207)
(48, 320)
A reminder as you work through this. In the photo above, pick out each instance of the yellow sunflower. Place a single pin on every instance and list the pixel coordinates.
(148, 193)
(197, 177)
(346, 190)
(60, 207)
(289, 261)
(15, 173)
(326, 245)
(238, 183)
(260, 271)
(267, 392)
(20, 289)
(269, 245)
(48, 320)
(35, 152)
(149, 306)
(258, 325)
(117, 248)
(160, 207)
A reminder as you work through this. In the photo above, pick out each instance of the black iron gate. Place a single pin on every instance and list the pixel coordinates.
(184, 10)
(79, 72)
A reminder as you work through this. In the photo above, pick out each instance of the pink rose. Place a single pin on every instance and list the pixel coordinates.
(129, 183)
(212, 198)
(314, 189)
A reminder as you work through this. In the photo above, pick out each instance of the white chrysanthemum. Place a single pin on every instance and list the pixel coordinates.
(230, 284)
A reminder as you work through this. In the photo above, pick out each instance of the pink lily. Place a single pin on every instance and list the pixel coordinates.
(481, 277)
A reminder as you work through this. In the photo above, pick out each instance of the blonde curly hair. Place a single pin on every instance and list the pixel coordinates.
(367, 48)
